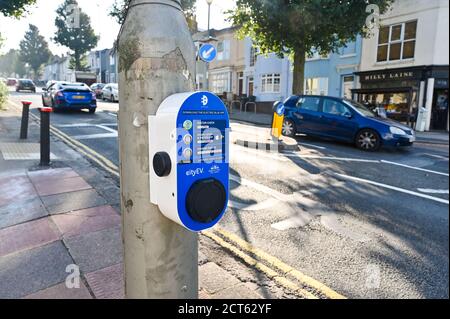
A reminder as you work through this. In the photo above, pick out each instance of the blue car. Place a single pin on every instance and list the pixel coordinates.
(69, 96)
(343, 120)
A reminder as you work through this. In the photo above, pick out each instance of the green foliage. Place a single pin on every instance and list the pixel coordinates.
(11, 64)
(84, 65)
(3, 94)
(297, 27)
(14, 8)
(78, 38)
(120, 8)
(34, 50)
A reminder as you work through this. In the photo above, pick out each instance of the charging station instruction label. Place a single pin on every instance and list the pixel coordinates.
(204, 140)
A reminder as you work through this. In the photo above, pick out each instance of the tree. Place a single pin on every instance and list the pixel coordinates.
(15, 8)
(11, 64)
(300, 27)
(120, 8)
(34, 50)
(75, 31)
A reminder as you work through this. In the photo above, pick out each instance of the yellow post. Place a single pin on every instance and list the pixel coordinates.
(278, 120)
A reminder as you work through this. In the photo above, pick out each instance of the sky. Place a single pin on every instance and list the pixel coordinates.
(43, 15)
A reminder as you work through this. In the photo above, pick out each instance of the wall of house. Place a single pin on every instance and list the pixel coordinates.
(432, 44)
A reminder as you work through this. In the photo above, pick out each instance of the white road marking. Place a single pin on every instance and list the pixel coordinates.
(436, 156)
(415, 168)
(344, 159)
(433, 191)
(262, 188)
(313, 146)
(267, 204)
(401, 190)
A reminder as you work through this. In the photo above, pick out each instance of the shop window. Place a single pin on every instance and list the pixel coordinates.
(271, 83)
(397, 42)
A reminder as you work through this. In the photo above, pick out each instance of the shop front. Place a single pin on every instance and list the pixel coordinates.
(400, 93)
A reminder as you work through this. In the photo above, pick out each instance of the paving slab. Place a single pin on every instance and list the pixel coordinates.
(214, 279)
(60, 186)
(33, 270)
(21, 212)
(69, 202)
(15, 188)
(86, 221)
(96, 250)
(52, 174)
(62, 292)
(28, 235)
(107, 283)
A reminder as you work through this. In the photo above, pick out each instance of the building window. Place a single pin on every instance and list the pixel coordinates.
(397, 42)
(219, 82)
(253, 56)
(316, 86)
(223, 50)
(270, 83)
(315, 55)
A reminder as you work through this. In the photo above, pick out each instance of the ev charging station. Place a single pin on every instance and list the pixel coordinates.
(189, 159)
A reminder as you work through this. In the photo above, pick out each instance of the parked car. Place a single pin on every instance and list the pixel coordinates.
(69, 96)
(111, 92)
(98, 88)
(344, 120)
(25, 85)
(11, 82)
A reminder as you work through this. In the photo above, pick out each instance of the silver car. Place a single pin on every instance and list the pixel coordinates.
(111, 92)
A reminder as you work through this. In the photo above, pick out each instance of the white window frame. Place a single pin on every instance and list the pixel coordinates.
(220, 82)
(269, 88)
(253, 56)
(402, 41)
(319, 90)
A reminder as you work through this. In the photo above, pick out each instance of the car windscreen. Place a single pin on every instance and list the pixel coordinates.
(361, 108)
(67, 87)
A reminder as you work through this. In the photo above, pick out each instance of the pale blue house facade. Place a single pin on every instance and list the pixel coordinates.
(270, 78)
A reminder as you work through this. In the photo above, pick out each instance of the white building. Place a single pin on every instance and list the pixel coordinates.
(404, 65)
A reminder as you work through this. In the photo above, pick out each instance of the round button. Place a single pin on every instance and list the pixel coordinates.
(187, 153)
(187, 139)
(162, 164)
(206, 200)
(187, 125)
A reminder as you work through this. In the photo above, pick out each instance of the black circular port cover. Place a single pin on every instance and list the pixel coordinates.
(162, 164)
(206, 200)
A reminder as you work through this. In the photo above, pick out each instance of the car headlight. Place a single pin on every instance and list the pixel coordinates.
(397, 131)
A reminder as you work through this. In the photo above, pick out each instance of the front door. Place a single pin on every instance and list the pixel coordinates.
(250, 86)
(348, 83)
(439, 116)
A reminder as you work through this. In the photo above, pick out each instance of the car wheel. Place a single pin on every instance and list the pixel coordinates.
(289, 128)
(92, 111)
(368, 140)
(113, 100)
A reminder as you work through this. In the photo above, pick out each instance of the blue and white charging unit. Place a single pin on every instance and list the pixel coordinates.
(189, 159)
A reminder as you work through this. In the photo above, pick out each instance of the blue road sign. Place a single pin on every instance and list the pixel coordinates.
(280, 109)
(208, 52)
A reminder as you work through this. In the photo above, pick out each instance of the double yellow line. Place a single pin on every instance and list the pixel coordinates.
(281, 273)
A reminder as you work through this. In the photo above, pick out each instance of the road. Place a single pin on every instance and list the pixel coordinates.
(368, 225)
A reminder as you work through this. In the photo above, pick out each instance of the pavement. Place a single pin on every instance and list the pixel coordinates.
(326, 221)
(63, 221)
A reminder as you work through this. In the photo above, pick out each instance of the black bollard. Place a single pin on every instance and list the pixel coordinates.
(45, 135)
(24, 122)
